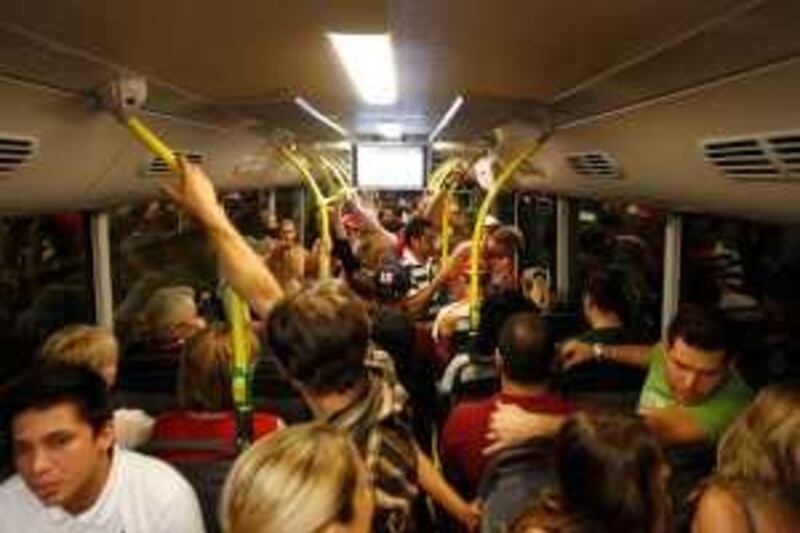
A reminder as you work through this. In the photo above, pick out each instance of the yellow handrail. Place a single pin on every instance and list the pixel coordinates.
(237, 308)
(238, 318)
(447, 201)
(438, 176)
(322, 207)
(152, 142)
(479, 230)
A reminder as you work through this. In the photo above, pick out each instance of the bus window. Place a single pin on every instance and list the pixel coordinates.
(44, 280)
(627, 240)
(749, 272)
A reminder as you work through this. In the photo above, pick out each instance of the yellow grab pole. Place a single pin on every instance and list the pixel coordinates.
(152, 142)
(438, 176)
(322, 206)
(447, 202)
(238, 318)
(338, 175)
(446, 226)
(479, 230)
(238, 311)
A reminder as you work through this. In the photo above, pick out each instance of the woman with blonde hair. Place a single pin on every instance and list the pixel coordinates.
(205, 400)
(96, 347)
(84, 345)
(756, 487)
(308, 478)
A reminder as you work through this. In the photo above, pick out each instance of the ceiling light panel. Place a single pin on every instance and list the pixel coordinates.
(369, 62)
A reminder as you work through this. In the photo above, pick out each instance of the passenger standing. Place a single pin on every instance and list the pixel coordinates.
(288, 260)
(523, 356)
(756, 487)
(604, 382)
(70, 477)
(304, 479)
(612, 477)
(321, 336)
(205, 401)
(96, 348)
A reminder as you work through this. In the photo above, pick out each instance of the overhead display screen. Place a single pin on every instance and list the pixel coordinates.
(390, 166)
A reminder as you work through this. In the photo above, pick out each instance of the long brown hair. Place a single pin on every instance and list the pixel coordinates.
(204, 375)
(611, 477)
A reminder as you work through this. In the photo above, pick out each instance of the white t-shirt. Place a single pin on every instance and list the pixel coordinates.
(142, 495)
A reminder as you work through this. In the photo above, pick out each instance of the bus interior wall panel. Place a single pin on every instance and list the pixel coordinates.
(659, 149)
(86, 159)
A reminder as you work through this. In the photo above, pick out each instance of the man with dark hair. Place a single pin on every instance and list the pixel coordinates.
(321, 337)
(523, 357)
(418, 252)
(70, 477)
(691, 393)
(605, 310)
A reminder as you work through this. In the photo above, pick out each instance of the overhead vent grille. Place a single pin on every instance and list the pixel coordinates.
(761, 157)
(594, 164)
(159, 167)
(15, 152)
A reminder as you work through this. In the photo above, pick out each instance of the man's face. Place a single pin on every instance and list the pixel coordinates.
(60, 457)
(288, 233)
(425, 246)
(692, 373)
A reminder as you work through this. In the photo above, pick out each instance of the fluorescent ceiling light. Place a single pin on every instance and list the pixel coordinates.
(390, 130)
(369, 62)
(448, 116)
(303, 104)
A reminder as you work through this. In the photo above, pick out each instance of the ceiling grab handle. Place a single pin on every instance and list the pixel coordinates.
(122, 97)
(479, 229)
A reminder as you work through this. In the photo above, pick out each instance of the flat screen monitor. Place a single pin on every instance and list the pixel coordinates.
(390, 166)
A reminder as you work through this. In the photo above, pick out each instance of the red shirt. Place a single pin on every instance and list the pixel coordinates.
(193, 426)
(464, 435)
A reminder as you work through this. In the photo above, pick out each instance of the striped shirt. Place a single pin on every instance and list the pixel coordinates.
(420, 274)
(376, 422)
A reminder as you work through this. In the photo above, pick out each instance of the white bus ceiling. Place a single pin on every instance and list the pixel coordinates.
(646, 81)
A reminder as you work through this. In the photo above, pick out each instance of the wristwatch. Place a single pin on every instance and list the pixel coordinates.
(599, 351)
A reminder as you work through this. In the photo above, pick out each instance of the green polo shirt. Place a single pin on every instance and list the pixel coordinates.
(713, 415)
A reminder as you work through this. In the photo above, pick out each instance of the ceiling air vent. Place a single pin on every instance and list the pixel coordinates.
(594, 164)
(760, 157)
(15, 152)
(159, 167)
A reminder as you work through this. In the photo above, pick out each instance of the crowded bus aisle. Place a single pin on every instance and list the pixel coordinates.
(543, 411)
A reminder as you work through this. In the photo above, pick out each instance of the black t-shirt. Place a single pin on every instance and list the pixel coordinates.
(603, 376)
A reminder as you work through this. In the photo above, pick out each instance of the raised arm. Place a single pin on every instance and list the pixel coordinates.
(417, 305)
(371, 222)
(238, 262)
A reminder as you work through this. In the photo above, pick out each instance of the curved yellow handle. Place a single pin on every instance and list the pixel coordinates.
(479, 230)
(437, 178)
(237, 310)
(446, 211)
(338, 175)
(322, 208)
(152, 142)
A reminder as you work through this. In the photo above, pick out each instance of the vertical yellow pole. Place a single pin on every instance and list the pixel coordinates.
(322, 206)
(237, 311)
